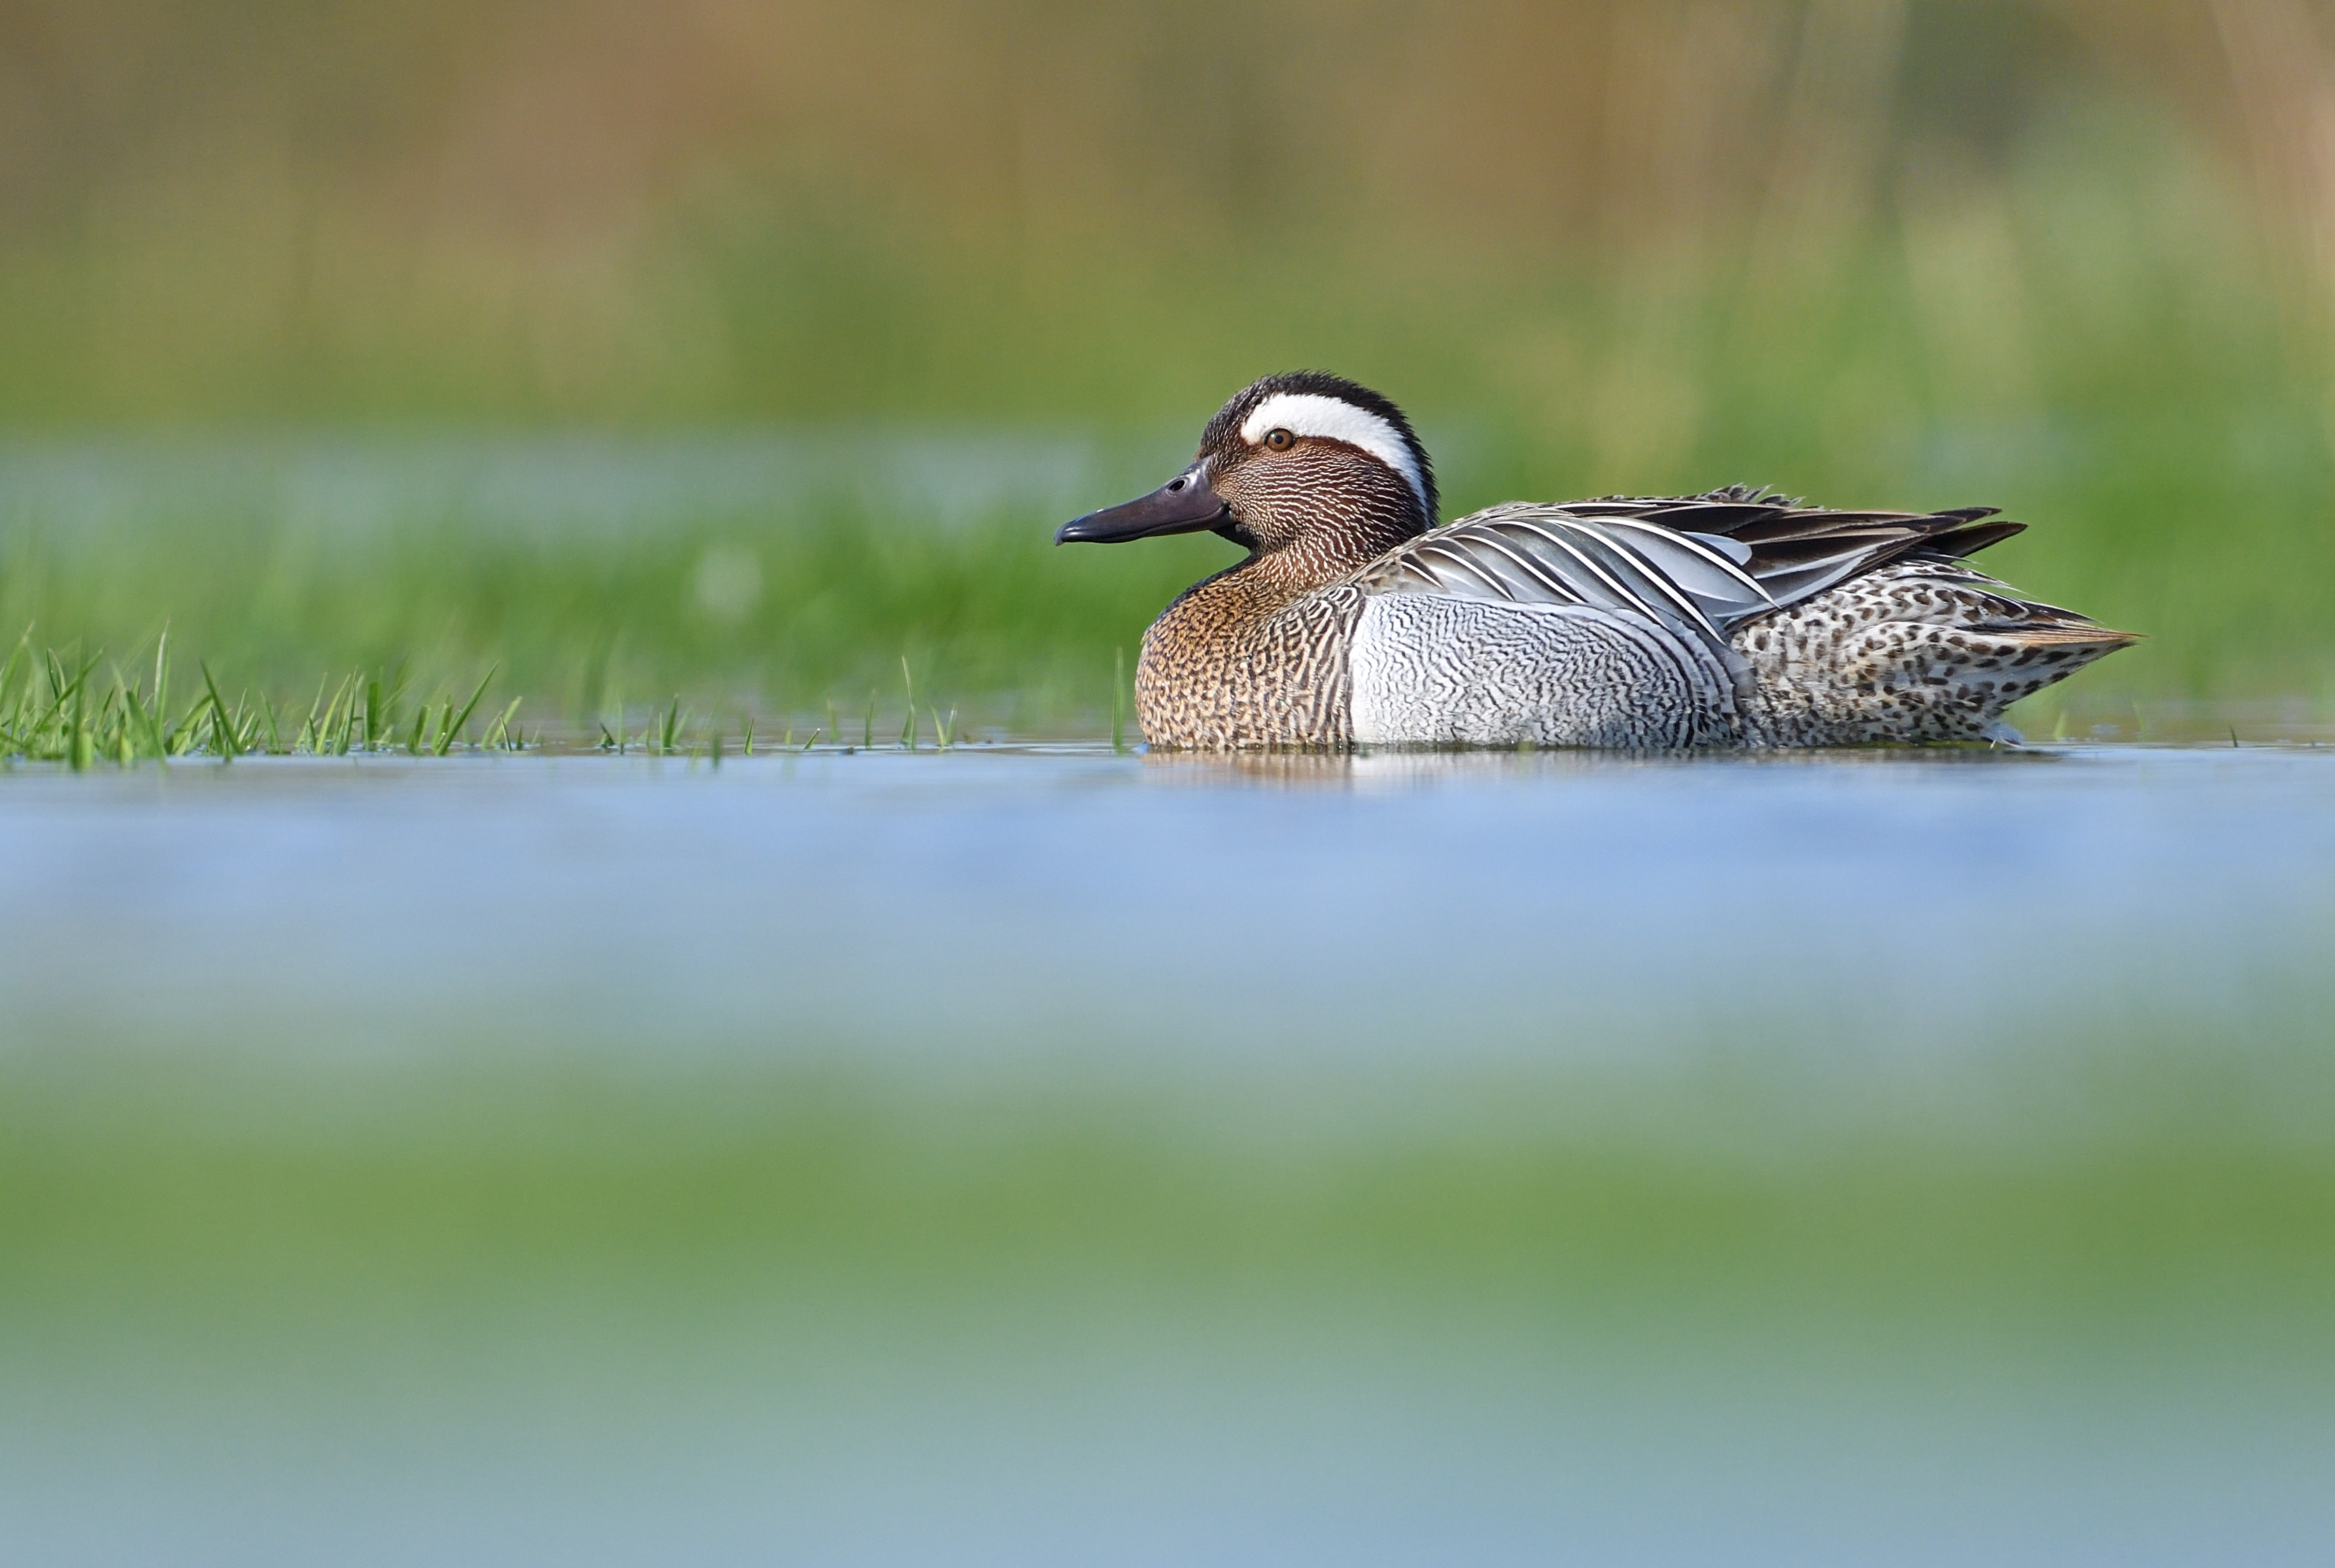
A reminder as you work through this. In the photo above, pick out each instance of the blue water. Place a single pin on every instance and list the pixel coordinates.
(1409, 908)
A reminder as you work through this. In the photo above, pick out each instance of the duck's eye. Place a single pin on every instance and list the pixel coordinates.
(1280, 440)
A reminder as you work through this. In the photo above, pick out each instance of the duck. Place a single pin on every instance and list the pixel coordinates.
(1737, 618)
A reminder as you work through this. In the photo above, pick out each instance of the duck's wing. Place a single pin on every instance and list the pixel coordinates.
(1704, 563)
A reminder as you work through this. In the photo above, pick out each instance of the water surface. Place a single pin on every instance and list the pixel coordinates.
(1029, 1154)
(1413, 908)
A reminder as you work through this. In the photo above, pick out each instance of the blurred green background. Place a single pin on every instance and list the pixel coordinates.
(2070, 257)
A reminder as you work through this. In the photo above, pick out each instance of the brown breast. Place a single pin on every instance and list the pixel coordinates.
(1240, 661)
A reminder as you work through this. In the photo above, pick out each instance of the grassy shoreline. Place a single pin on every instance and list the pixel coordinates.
(771, 596)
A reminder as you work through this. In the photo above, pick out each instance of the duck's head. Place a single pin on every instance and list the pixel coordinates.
(1305, 466)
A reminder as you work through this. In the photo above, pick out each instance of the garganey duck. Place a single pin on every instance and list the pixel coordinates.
(1733, 618)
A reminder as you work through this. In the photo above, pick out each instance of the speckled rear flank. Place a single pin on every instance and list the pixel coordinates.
(1920, 650)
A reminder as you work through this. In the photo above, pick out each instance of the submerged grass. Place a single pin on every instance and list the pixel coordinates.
(61, 705)
(55, 707)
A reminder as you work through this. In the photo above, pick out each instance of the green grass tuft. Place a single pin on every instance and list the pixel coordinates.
(54, 710)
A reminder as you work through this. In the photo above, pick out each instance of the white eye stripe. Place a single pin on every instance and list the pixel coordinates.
(1311, 414)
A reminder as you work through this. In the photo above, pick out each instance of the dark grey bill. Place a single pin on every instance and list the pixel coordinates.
(1183, 504)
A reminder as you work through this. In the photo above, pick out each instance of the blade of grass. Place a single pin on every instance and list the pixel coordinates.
(445, 741)
(162, 672)
(499, 732)
(222, 727)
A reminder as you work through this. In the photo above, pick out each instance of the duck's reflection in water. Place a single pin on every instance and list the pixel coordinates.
(1395, 766)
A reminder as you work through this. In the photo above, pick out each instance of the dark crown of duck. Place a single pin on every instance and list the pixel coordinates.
(1306, 463)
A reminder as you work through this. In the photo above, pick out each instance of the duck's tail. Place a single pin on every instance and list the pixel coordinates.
(1922, 649)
